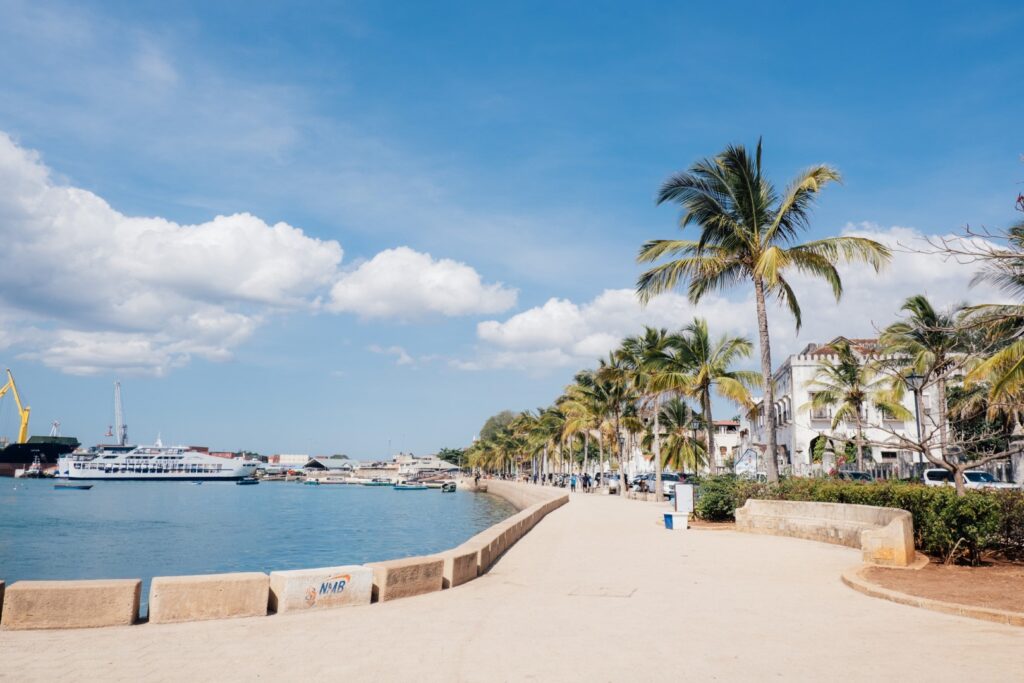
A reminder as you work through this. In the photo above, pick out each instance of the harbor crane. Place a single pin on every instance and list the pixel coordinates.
(23, 410)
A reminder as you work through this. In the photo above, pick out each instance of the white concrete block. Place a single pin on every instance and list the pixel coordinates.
(298, 589)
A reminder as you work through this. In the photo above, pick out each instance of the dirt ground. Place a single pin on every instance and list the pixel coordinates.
(712, 526)
(999, 586)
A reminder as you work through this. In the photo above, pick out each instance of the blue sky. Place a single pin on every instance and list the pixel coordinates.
(518, 145)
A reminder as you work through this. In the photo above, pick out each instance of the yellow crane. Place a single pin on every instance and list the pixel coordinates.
(23, 411)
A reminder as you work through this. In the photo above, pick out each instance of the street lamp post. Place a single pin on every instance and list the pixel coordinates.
(915, 383)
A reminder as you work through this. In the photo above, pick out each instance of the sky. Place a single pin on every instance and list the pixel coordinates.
(365, 227)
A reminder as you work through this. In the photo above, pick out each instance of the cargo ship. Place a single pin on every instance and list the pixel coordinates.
(44, 450)
(20, 456)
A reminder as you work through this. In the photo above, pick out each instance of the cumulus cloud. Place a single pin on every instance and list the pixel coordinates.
(562, 333)
(407, 284)
(101, 290)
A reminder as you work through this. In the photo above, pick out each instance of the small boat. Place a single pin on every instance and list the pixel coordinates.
(197, 483)
(409, 487)
(448, 487)
(379, 481)
(78, 487)
(312, 482)
(247, 482)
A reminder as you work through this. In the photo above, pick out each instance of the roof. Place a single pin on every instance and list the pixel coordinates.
(726, 423)
(329, 464)
(861, 346)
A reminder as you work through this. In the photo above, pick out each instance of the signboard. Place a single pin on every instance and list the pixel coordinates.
(684, 498)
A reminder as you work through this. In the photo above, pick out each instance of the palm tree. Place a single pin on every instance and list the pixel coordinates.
(848, 385)
(748, 232)
(1004, 368)
(682, 450)
(927, 342)
(641, 354)
(616, 393)
(581, 405)
(695, 364)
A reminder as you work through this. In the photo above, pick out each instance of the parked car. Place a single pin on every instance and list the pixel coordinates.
(668, 482)
(973, 479)
(853, 475)
(612, 482)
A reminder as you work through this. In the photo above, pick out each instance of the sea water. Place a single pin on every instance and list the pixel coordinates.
(138, 530)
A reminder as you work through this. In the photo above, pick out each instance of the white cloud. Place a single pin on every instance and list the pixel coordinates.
(561, 333)
(401, 356)
(96, 289)
(408, 284)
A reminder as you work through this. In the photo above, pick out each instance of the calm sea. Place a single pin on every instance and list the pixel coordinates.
(146, 529)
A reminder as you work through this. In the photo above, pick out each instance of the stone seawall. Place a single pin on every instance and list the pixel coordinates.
(84, 604)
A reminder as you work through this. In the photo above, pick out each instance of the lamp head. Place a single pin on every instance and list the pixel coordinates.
(914, 381)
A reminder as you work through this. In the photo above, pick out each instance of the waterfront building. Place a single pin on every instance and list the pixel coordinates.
(289, 460)
(798, 427)
(409, 464)
(377, 470)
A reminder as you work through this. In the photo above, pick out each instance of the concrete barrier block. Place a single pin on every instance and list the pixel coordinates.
(891, 545)
(409, 576)
(300, 589)
(460, 565)
(208, 596)
(71, 604)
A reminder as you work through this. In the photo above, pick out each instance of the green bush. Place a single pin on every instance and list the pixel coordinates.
(944, 524)
(716, 500)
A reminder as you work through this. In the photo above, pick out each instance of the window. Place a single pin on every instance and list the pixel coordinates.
(939, 475)
(819, 413)
(888, 456)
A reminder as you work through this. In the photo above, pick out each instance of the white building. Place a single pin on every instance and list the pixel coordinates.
(409, 465)
(294, 460)
(799, 426)
(728, 439)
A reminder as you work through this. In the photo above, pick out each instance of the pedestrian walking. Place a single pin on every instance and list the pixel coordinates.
(572, 484)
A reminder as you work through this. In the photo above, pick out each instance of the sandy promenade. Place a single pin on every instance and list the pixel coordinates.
(599, 591)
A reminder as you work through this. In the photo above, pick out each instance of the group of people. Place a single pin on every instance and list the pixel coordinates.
(581, 482)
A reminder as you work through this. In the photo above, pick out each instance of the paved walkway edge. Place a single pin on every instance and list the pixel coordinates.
(853, 578)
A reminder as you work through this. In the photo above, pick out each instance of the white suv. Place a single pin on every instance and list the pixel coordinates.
(973, 479)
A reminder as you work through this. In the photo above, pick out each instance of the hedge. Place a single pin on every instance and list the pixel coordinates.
(945, 525)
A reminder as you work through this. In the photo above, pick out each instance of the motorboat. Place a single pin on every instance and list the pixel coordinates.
(75, 487)
(409, 487)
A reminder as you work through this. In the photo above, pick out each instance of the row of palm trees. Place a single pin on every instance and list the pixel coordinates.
(748, 232)
(638, 396)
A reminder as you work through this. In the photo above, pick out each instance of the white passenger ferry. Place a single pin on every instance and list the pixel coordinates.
(152, 463)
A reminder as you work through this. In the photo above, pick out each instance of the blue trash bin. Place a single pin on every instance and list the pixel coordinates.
(668, 520)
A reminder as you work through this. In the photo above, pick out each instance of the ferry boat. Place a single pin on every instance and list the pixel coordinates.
(152, 463)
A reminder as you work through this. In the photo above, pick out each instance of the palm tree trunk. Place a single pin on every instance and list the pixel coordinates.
(622, 462)
(705, 396)
(657, 450)
(768, 404)
(586, 451)
(860, 443)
